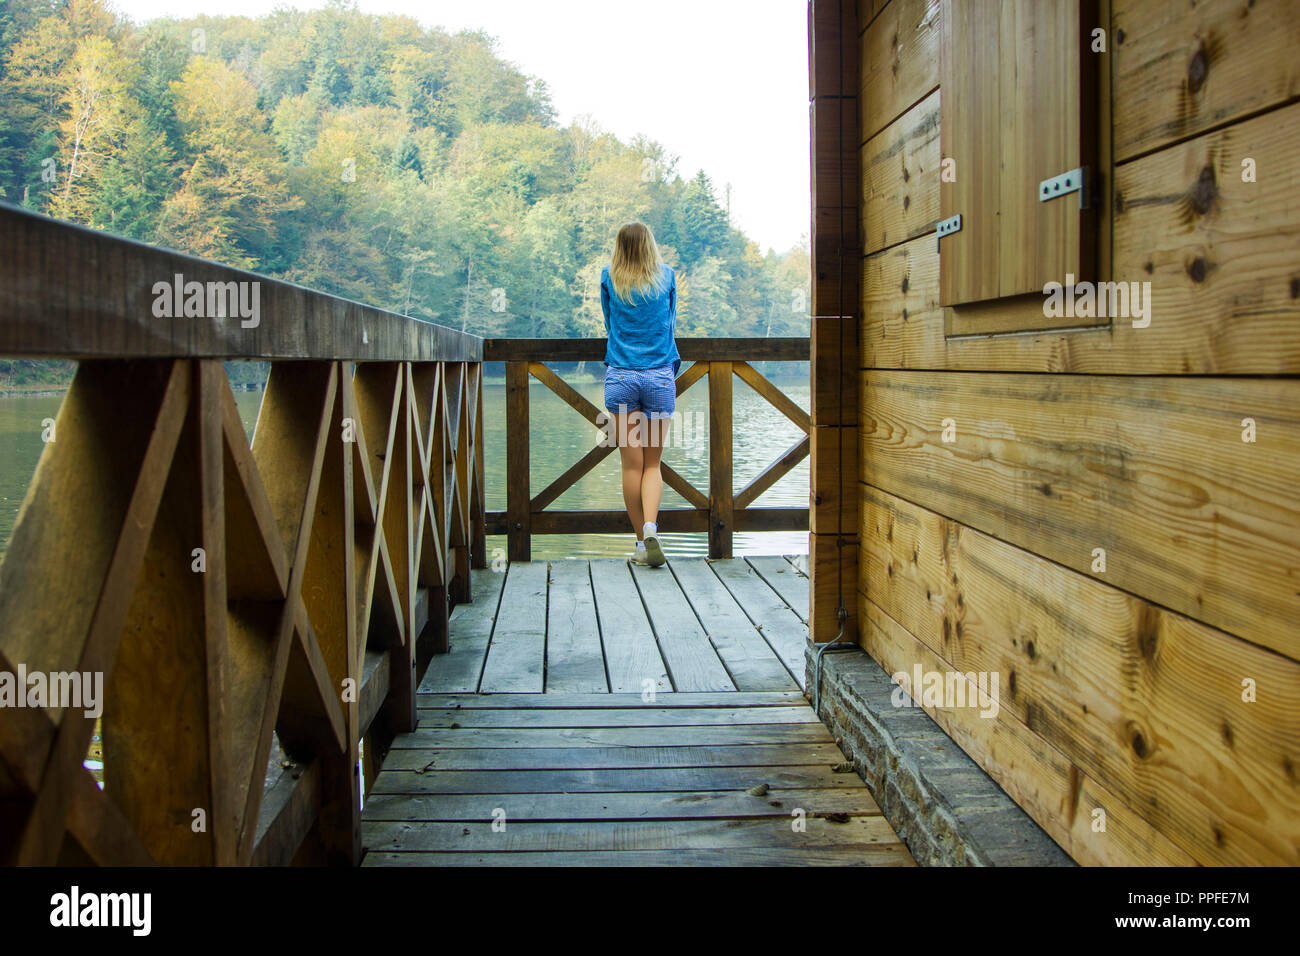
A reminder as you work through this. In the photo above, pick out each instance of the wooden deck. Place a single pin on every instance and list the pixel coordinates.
(595, 713)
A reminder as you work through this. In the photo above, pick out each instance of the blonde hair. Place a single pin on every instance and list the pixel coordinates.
(636, 265)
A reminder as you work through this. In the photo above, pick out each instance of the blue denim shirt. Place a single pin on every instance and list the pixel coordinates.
(641, 332)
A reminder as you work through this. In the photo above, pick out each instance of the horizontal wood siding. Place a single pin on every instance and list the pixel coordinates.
(1161, 692)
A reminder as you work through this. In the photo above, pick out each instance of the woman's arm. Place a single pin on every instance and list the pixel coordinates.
(604, 302)
(672, 300)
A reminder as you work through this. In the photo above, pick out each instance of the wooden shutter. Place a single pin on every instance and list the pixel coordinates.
(1019, 107)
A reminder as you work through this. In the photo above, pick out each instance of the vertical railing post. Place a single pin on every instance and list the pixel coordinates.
(720, 466)
(460, 538)
(518, 495)
(331, 583)
(478, 489)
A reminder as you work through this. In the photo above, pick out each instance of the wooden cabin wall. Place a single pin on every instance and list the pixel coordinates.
(1149, 712)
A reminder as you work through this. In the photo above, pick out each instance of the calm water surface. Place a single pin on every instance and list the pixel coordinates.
(558, 437)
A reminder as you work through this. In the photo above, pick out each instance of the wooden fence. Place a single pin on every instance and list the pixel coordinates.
(235, 597)
(260, 613)
(719, 512)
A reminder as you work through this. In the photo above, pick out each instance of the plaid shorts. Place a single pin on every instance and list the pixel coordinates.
(649, 390)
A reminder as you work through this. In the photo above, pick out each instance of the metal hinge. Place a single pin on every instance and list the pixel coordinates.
(1075, 181)
(946, 228)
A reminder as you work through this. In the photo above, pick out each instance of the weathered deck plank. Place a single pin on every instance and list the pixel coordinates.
(461, 667)
(692, 662)
(782, 578)
(654, 780)
(575, 662)
(670, 805)
(632, 657)
(632, 717)
(783, 629)
(612, 758)
(704, 754)
(438, 738)
(626, 835)
(751, 661)
(784, 698)
(516, 657)
(876, 854)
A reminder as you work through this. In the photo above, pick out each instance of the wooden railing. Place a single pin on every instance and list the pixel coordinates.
(719, 512)
(230, 594)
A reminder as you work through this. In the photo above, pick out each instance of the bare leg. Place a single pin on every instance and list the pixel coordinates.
(652, 479)
(632, 455)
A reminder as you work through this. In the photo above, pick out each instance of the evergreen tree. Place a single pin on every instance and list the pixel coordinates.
(365, 156)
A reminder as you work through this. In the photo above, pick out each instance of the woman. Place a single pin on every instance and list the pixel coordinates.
(638, 295)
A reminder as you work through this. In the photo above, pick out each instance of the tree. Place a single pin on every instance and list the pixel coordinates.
(701, 223)
(95, 107)
(233, 191)
(366, 156)
(703, 306)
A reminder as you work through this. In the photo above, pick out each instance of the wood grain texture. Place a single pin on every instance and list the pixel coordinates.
(750, 660)
(1146, 700)
(782, 627)
(1036, 775)
(166, 648)
(833, 473)
(1220, 255)
(615, 701)
(692, 662)
(782, 578)
(631, 835)
(833, 133)
(516, 656)
(900, 62)
(748, 777)
(575, 661)
(64, 553)
(1152, 470)
(649, 716)
(1182, 68)
(657, 780)
(833, 567)
(900, 178)
(109, 311)
(254, 637)
(721, 467)
(514, 738)
(1019, 84)
(632, 657)
(613, 758)
(886, 854)
(701, 804)
(832, 382)
(777, 348)
(832, 48)
(970, 58)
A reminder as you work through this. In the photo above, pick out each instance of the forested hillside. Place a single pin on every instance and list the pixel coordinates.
(367, 156)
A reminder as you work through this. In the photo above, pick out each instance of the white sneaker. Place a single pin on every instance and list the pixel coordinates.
(638, 556)
(655, 556)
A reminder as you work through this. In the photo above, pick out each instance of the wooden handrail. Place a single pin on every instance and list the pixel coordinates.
(71, 292)
(720, 512)
(230, 594)
(234, 595)
(691, 349)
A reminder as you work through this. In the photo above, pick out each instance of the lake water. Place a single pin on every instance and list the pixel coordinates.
(558, 437)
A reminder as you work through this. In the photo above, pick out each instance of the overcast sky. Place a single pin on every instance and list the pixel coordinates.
(723, 84)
